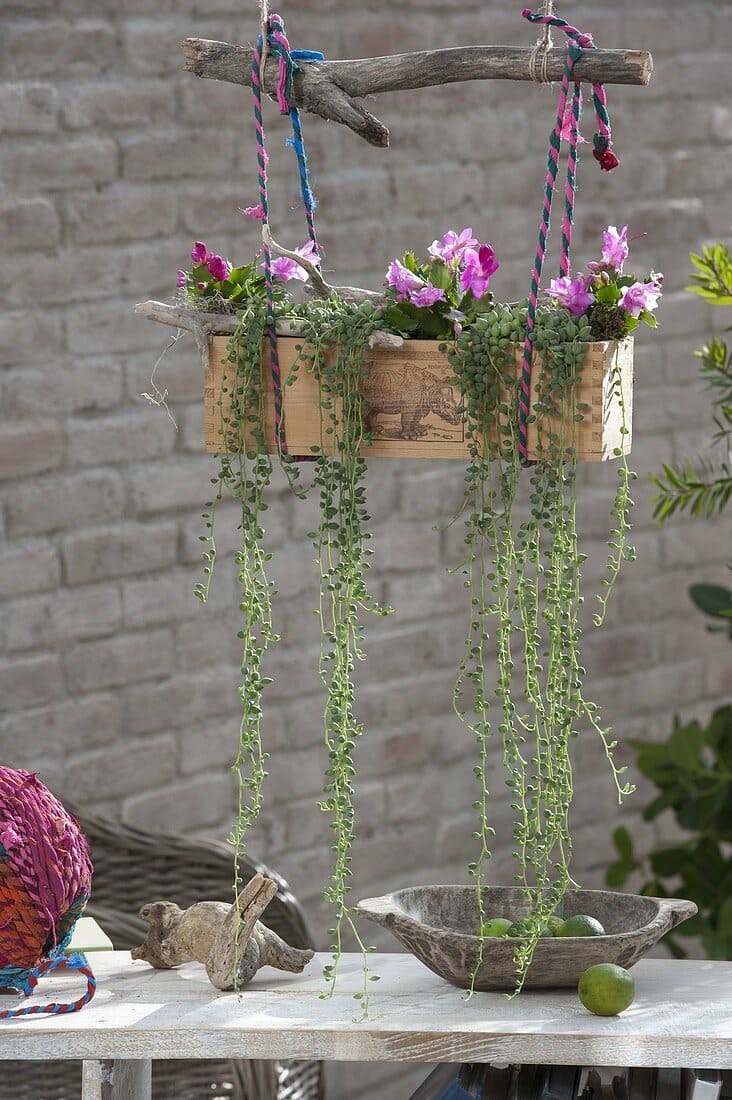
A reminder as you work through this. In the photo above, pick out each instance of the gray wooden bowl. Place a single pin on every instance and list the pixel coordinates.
(438, 925)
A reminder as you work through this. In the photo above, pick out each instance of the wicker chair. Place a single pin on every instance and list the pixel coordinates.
(131, 868)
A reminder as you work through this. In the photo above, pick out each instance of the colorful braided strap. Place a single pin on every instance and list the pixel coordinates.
(279, 47)
(30, 979)
(602, 151)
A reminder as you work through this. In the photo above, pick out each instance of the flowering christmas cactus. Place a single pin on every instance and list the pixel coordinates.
(614, 303)
(438, 298)
(214, 281)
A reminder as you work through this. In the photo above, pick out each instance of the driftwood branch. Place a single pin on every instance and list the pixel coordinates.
(229, 940)
(203, 325)
(330, 88)
(319, 287)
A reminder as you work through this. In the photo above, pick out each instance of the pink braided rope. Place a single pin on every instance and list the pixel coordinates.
(278, 33)
(551, 174)
(570, 185)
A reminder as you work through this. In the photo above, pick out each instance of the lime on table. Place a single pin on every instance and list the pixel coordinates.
(580, 925)
(496, 926)
(606, 989)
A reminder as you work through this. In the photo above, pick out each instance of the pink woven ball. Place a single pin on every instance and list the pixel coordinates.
(45, 874)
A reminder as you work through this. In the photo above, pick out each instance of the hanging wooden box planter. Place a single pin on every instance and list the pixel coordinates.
(413, 409)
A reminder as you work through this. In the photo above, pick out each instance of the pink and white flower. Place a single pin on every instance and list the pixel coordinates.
(181, 279)
(574, 294)
(453, 245)
(426, 296)
(256, 212)
(404, 281)
(639, 297)
(615, 248)
(285, 269)
(477, 267)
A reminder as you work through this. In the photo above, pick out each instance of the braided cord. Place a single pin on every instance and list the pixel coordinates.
(277, 44)
(262, 159)
(570, 187)
(287, 58)
(601, 151)
(29, 980)
(551, 175)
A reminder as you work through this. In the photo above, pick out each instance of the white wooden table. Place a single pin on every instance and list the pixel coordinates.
(682, 1016)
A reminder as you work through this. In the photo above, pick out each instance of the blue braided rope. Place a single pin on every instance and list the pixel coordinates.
(27, 980)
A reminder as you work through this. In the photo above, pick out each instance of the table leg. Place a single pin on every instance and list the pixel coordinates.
(118, 1079)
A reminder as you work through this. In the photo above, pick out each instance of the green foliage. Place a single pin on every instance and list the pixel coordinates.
(524, 576)
(714, 600)
(704, 488)
(712, 279)
(692, 770)
(245, 284)
(336, 334)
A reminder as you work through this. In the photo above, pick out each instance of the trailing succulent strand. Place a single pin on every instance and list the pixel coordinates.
(524, 573)
(337, 335)
(245, 471)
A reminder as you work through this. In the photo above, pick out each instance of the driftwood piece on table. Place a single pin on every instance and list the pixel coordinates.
(330, 88)
(203, 325)
(229, 940)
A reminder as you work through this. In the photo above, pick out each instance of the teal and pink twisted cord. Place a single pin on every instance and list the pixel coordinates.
(602, 151)
(279, 48)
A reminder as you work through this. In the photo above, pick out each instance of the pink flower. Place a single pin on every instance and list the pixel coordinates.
(181, 279)
(219, 268)
(426, 296)
(255, 212)
(285, 269)
(573, 294)
(478, 266)
(200, 254)
(453, 245)
(404, 281)
(639, 296)
(615, 248)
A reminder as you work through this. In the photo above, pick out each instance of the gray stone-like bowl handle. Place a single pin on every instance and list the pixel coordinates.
(381, 910)
(672, 911)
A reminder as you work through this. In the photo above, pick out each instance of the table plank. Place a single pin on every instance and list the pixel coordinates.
(682, 1016)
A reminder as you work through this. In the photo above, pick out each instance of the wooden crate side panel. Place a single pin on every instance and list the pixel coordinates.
(414, 411)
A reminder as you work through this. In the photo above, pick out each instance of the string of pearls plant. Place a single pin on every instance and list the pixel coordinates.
(521, 677)
(523, 574)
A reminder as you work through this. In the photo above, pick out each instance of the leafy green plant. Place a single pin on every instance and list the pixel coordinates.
(704, 487)
(714, 600)
(692, 770)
